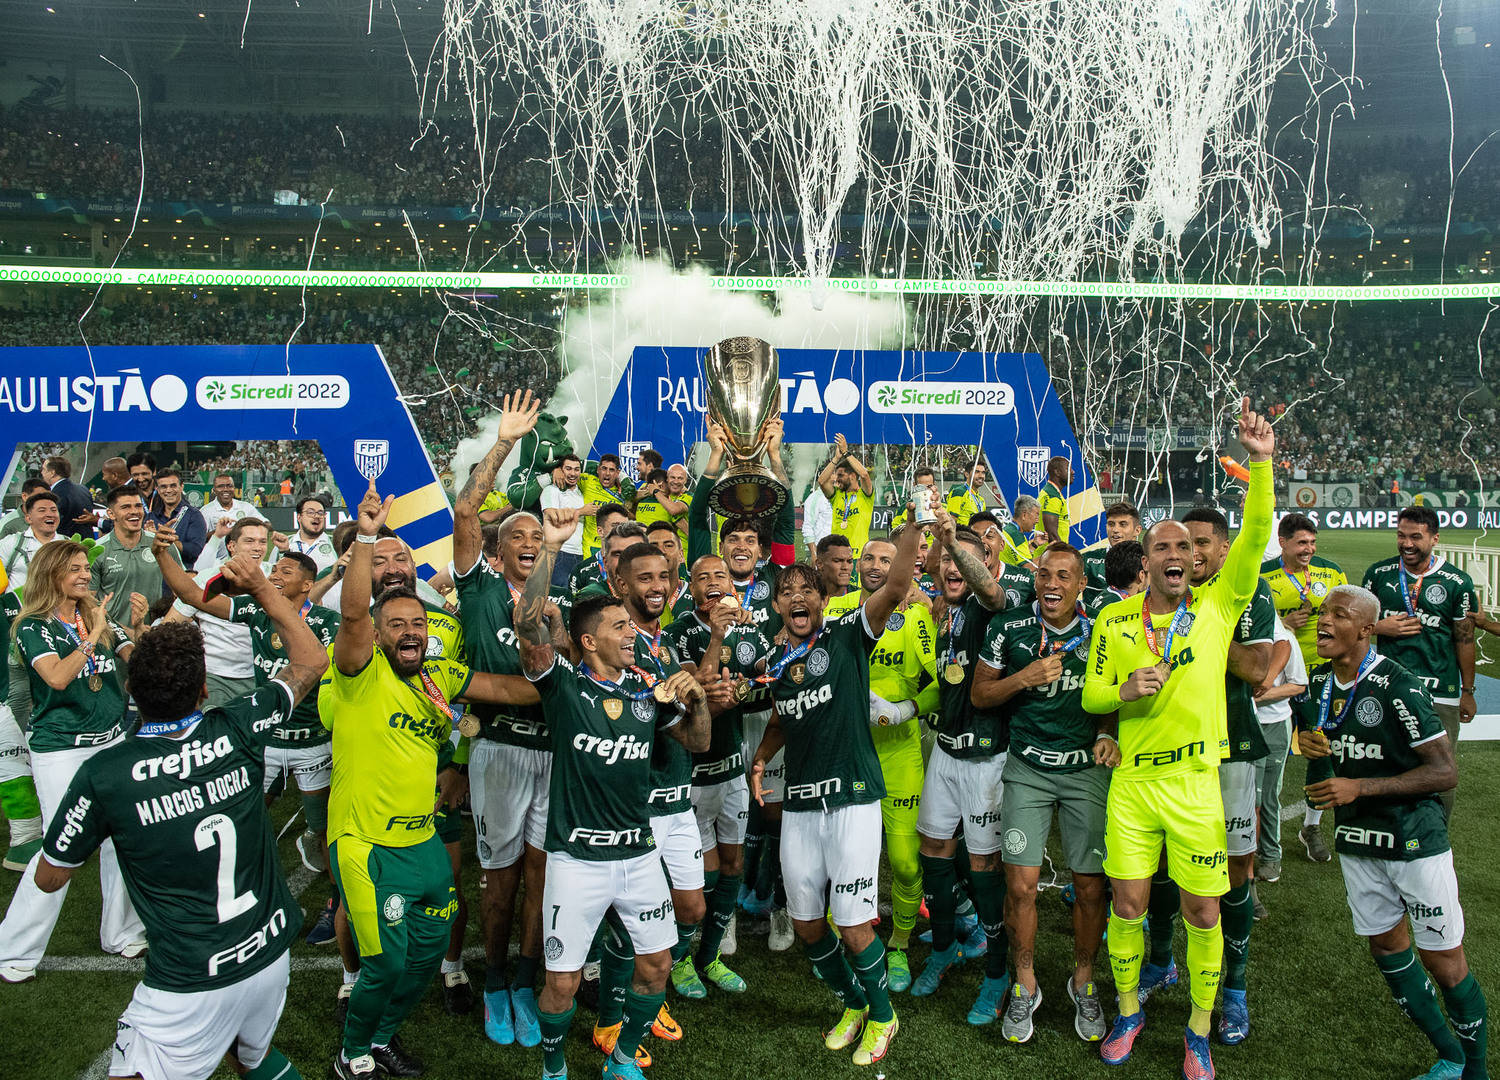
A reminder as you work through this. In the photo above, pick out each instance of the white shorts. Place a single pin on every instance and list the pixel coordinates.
(15, 758)
(1237, 786)
(681, 851)
(1382, 892)
(838, 848)
(723, 811)
(579, 892)
(508, 791)
(773, 780)
(310, 766)
(174, 1036)
(963, 791)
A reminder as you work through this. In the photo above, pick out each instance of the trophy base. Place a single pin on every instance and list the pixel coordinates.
(748, 491)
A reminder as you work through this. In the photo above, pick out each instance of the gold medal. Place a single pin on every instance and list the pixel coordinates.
(954, 674)
(663, 693)
(275, 640)
(468, 725)
(96, 683)
(726, 657)
(729, 600)
(741, 690)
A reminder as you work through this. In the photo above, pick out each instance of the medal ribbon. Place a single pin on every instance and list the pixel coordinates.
(76, 634)
(1325, 701)
(744, 600)
(844, 520)
(430, 688)
(1085, 627)
(1302, 590)
(1408, 592)
(653, 646)
(616, 688)
(773, 673)
(1164, 654)
(170, 727)
(955, 624)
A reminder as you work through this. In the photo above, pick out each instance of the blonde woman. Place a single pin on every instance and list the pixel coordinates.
(73, 656)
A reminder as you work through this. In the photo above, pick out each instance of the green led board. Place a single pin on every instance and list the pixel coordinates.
(413, 279)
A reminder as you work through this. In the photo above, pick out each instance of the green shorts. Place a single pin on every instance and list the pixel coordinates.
(1183, 813)
(1031, 794)
(381, 884)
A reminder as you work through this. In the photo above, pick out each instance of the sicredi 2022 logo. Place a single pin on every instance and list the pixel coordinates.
(238, 392)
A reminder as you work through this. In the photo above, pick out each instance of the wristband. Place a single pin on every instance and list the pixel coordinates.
(1106, 735)
(363, 539)
(1466, 689)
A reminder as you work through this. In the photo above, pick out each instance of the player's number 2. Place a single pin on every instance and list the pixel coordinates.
(220, 830)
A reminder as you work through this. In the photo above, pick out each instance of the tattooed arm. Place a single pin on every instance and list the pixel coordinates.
(536, 640)
(516, 419)
(968, 560)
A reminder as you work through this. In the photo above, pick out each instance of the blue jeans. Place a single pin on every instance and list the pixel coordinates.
(562, 569)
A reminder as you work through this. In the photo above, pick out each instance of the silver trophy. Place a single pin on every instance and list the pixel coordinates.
(743, 378)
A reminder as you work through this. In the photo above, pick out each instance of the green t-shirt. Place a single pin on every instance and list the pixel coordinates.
(587, 574)
(1019, 586)
(269, 656)
(1257, 624)
(740, 654)
(487, 601)
(90, 710)
(671, 763)
(196, 847)
(1379, 726)
(822, 702)
(962, 730)
(598, 806)
(122, 571)
(1093, 566)
(1443, 596)
(1048, 727)
(756, 597)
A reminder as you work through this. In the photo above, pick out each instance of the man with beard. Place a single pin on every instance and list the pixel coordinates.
(592, 570)
(678, 482)
(311, 538)
(714, 643)
(389, 707)
(903, 686)
(820, 683)
(664, 537)
(1053, 500)
(563, 494)
(1122, 522)
(226, 646)
(964, 500)
(851, 490)
(602, 487)
(1016, 581)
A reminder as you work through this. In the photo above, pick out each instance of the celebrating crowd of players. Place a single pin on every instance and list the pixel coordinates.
(682, 722)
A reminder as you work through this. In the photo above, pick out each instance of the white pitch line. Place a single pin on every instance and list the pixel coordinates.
(1292, 810)
(78, 964)
(97, 1069)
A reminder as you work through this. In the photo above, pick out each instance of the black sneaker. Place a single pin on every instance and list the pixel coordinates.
(341, 1006)
(322, 928)
(458, 994)
(1259, 909)
(393, 1060)
(361, 1068)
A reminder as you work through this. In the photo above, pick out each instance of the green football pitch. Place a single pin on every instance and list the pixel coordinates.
(1318, 1006)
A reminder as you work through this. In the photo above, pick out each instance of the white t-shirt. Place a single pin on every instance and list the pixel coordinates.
(319, 551)
(1295, 672)
(555, 498)
(16, 552)
(226, 645)
(213, 513)
(817, 517)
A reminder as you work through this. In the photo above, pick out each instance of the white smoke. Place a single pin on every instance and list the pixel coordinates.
(667, 307)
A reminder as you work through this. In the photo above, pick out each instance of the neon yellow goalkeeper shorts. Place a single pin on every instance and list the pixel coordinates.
(1186, 813)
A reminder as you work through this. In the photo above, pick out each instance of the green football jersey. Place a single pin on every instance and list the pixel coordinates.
(1379, 725)
(1257, 624)
(196, 847)
(962, 730)
(598, 806)
(588, 573)
(1093, 566)
(90, 710)
(1048, 727)
(487, 602)
(270, 656)
(756, 595)
(740, 654)
(1440, 598)
(671, 763)
(1019, 585)
(823, 705)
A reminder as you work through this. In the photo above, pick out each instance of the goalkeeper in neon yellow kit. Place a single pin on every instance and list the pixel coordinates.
(1158, 659)
(903, 686)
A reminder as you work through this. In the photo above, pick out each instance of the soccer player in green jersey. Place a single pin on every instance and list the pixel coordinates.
(1159, 660)
(1379, 758)
(1015, 581)
(1053, 498)
(962, 785)
(1248, 663)
(605, 717)
(664, 537)
(1425, 604)
(1059, 759)
(591, 569)
(831, 817)
(1122, 522)
(180, 800)
(18, 801)
(722, 650)
(388, 705)
(903, 686)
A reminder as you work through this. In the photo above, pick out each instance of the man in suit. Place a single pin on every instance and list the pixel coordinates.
(74, 502)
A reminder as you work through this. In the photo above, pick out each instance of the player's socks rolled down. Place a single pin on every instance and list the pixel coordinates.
(1161, 917)
(720, 910)
(906, 886)
(1237, 916)
(616, 966)
(274, 1066)
(989, 901)
(640, 1011)
(526, 972)
(1127, 939)
(1468, 1014)
(554, 1034)
(827, 956)
(1416, 997)
(938, 881)
(1205, 964)
(869, 969)
(769, 869)
(18, 800)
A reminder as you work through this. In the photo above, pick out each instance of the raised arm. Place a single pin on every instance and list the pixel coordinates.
(977, 576)
(866, 481)
(897, 580)
(518, 415)
(307, 660)
(537, 651)
(179, 580)
(784, 528)
(825, 476)
(1242, 567)
(356, 635)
